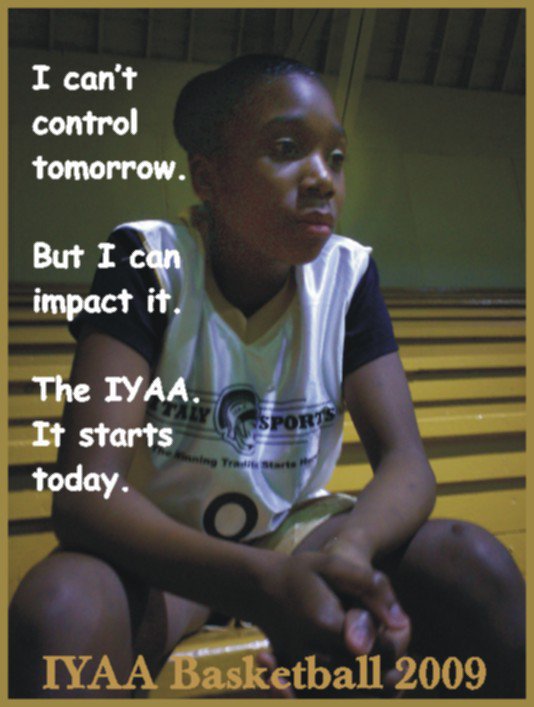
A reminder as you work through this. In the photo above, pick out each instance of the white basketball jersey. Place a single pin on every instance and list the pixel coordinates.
(262, 428)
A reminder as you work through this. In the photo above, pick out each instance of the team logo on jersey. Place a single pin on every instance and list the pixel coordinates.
(236, 417)
(239, 417)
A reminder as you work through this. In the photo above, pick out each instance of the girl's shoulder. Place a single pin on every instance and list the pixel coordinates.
(157, 235)
(343, 247)
(335, 274)
(342, 262)
(167, 249)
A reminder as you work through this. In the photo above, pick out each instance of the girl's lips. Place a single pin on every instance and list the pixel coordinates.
(317, 218)
(315, 229)
(317, 223)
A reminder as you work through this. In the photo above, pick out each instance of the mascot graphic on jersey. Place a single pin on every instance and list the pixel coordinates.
(236, 416)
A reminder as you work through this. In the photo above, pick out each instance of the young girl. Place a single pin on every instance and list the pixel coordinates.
(274, 324)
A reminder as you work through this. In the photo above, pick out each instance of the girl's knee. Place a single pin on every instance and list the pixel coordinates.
(482, 579)
(64, 596)
(69, 604)
(468, 544)
(472, 558)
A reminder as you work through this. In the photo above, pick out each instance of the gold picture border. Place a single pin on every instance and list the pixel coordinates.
(5, 5)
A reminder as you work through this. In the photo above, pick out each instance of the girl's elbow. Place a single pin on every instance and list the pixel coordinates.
(431, 487)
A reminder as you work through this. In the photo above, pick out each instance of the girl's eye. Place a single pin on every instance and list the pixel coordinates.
(337, 158)
(286, 148)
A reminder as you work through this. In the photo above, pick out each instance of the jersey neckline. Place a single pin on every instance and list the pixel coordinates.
(248, 329)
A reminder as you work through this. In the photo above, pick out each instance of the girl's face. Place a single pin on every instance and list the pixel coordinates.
(277, 188)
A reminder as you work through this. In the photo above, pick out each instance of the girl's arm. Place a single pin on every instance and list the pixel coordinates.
(392, 506)
(401, 494)
(128, 529)
(288, 597)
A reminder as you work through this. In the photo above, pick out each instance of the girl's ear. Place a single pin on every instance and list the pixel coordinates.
(202, 176)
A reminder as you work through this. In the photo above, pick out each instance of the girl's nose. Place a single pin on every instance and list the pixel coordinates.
(317, 178)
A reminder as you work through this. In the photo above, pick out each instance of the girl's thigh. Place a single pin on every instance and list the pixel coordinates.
(74, 603)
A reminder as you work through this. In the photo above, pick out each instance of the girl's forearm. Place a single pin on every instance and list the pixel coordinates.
(134, 535)
(395, 503)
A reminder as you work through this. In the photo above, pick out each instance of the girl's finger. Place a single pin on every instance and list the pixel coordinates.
(359, 631)
(381, 600)
(280, 688)
(368, 586)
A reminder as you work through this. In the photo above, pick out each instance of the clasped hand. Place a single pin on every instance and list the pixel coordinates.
(334, 604)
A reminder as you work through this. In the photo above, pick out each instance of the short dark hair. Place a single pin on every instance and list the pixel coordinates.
(208, 102)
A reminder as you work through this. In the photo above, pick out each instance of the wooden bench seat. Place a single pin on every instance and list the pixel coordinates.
(510, 384)
(437, 422)
(22, 334)
(465, 360)
(417, 357)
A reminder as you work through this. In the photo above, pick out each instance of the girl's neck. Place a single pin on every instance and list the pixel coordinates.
(244, 277)
(247, 282)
